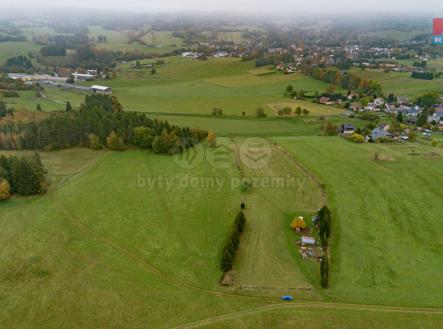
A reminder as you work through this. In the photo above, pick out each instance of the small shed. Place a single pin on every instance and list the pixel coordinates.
(307, 240)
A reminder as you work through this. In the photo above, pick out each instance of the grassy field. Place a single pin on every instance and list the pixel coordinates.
(192, 86)
(11, 49)
(388, 243)
(401, 83)
(187, 86)
(133, 239)
(113, 258)
(268, 256)
(267, 127)
(394, 34)
(29, 101)
(125, 260)
(103, 250)
(157, 42)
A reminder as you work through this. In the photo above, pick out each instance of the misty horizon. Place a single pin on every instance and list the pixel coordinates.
(278, 8)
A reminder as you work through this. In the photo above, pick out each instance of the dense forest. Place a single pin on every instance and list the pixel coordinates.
(99, 122)
(22, 176)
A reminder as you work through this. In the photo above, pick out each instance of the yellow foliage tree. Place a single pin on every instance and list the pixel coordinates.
(212, 139)
(114, 142)
(5, 189)
(298, 223)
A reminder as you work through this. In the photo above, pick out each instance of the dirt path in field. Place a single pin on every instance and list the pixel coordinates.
(148, 267)
(307, 305)
(270, 303)
(320, 185)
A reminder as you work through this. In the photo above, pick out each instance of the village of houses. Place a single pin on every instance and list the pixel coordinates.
(403, 108)
(362, 56)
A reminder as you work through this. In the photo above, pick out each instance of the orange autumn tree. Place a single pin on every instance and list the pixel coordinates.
(298, 223)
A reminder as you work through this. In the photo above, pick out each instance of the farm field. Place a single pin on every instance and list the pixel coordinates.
(187, 86)
(266, 127)
(15, 48)
(192, 86)
(386, 233)
(394, 34)
(158, 42)
(29, 101)
(134, 239)
(401, 83)
(315, 109)
(268, 256)
(100, 249)
(59, 255)
(432, 64)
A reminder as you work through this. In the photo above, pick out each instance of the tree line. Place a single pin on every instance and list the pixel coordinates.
(422, 75)
(232, 243)
(22, 175)
(324, 228)
(99, 122)
(347, 81)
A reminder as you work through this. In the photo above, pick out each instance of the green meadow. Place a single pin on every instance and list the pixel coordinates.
(13, 48)
(134, 239)
(28, 100)
(157, 42)
(185, 86)
(387, 246)
(106, 247)
(401, 83)
(194, 86)
(268, 257)
(265, 127)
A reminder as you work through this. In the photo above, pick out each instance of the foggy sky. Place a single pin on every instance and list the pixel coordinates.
(411, 7)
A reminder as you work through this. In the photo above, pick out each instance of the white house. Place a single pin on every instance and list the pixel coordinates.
(379, 102)
(372, 107)
(437, 117)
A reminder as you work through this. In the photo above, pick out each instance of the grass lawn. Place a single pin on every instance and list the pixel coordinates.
(387, 245)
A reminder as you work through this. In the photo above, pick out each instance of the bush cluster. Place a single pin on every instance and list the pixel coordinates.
(356, 138)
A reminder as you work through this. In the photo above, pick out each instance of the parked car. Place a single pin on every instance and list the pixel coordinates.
(287, 297)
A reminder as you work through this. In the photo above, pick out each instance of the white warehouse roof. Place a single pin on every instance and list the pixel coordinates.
(101, 88)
